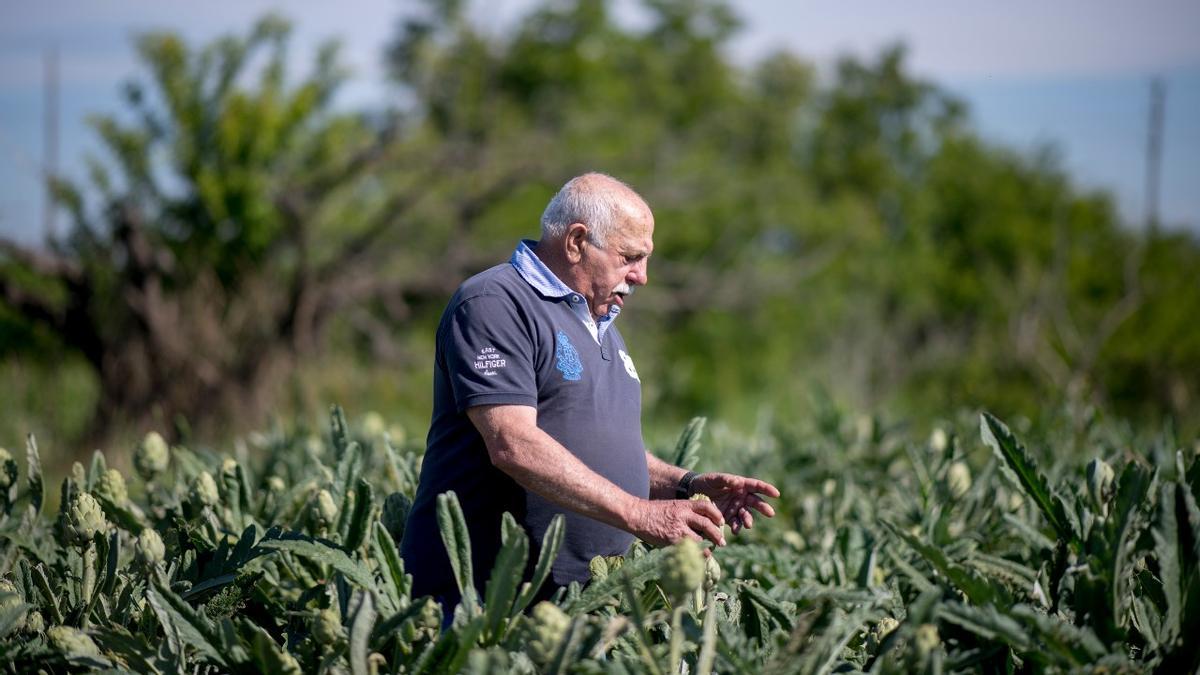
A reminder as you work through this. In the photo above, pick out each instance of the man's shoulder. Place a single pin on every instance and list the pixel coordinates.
(499, 281)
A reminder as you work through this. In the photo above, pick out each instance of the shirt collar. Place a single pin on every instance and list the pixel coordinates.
(536, 274)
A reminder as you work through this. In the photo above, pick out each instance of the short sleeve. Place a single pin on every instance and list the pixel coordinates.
(488, 354)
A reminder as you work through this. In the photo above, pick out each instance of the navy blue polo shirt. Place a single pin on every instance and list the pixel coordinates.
(516, 335)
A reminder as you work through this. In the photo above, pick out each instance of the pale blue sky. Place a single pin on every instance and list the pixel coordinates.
(1072, 73)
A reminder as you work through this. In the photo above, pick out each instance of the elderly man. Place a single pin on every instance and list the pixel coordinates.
(537, 405)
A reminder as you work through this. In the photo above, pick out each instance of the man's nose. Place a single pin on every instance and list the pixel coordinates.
(638, 275)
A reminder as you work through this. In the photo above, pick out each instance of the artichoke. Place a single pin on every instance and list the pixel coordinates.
(712, 572)
(111, 486)
(84, 518)
(682, 569)
(1099, 482)
(395, 514)
(327, 626)
(71, 641)
(151, 456)
(324, 510)
(10, 599)
(204, 490)
(543, 630)
(927, 640)
(880, 631)
(373, 425)
(938, 440)
(149, 547)
(958, 479)
(34, 623)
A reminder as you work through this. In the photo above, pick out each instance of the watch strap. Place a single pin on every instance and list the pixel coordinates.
(684, 489)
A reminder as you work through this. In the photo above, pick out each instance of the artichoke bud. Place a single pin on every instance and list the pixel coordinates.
(111, 486)
(712, 572)
(8, 469)
(152, 456)
(431, 615)
(598, 568)
(204, 490)
(927, 640)
(544, 629)
(373, 425)
(682, 569)
(10, 599)
(395, 514)
(34, 623)
(84, 519)
(149, 547)
(327, 626)
(78, 475)
(938, 440)
(71, 641)
(324, 510)
(958, 479)
(880, 631)
(229, 468)
(1099, 482)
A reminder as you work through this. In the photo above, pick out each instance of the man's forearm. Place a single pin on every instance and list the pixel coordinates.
(542, 465)
(664, 477)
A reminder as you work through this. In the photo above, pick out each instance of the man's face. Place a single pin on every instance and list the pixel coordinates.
(610, 273)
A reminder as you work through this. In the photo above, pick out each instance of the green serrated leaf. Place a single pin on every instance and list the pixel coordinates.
(453, 528)
(1167, 553)
(977, 588)
(325, 554)
(506, 575)
(635, 572)
(551, 543)
(362, 623)
(364, 506)
(997, 436)
(33, 470)
(687, 448)
(182, 621)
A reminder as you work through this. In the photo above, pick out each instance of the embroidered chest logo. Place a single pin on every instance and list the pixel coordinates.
(567, 358)
(625, 358)
(488, 361)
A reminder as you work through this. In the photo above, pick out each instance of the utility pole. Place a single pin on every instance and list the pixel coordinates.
(1158, 95)
(50, 138)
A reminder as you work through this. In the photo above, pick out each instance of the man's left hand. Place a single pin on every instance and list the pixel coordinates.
(736, 496)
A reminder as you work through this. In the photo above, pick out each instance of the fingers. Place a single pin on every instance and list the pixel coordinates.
(708, 510)
(708, 529)
(761, 506)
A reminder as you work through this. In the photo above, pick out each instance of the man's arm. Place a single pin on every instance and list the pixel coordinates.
(542, 465)
(664, 477)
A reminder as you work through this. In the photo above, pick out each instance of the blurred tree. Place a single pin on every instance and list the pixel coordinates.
(236, 217)
(850, 232)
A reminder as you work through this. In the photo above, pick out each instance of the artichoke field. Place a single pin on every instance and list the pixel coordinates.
(888, 555)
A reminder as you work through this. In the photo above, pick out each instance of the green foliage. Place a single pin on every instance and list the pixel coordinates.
(890, 569)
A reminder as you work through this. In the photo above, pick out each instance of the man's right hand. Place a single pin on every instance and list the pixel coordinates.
(662, 522)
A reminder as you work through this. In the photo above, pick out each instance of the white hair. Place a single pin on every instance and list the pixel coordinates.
(585, 200)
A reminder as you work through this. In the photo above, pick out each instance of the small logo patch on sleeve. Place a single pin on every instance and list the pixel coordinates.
(488, 361)
(567, 358)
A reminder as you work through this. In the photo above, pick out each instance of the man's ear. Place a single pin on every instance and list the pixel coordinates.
(574, 242)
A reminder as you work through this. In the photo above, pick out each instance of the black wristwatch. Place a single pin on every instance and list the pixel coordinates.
(684, 489)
